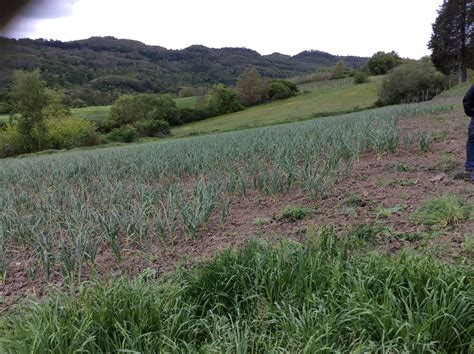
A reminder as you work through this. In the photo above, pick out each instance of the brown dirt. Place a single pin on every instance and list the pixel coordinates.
(374, 179)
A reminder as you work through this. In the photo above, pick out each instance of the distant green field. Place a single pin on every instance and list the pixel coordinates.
(315, 99)
(100, 113)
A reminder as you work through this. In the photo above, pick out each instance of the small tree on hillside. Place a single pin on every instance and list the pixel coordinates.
(252, 88)
(411, 81)
(30, 98)
(130, 109)
(224, 100)
(339, 70)
(165, 109)
(381, 63)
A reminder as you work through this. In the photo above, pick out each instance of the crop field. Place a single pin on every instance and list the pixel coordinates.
(78, 219)
(315, 99)
(63, 208)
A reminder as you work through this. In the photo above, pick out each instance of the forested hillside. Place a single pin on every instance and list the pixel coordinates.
(95, 70)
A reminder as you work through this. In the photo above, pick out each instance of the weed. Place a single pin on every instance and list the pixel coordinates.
(401, 182)
(383, 212)
(468, 246)
(263, 298)
(444, 210)
(261, 221)
(402, 167)
(447, 163)
(355, 201)
(295, 213)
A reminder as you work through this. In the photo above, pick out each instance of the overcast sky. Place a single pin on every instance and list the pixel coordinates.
(336, 26)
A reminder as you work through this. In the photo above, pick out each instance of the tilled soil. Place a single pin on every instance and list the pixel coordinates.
(398, 182)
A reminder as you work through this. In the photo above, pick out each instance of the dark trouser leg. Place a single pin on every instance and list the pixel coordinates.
(470, 147)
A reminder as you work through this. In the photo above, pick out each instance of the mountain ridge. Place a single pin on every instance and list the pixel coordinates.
(103, 67)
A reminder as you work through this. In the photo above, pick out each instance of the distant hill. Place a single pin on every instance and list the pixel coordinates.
(97, 69)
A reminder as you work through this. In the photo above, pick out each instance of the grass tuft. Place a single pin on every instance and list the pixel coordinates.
(444, 210)
(264, 298)
(295, 213)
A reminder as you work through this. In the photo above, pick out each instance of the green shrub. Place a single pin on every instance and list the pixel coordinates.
(129, 109)
(281, 89)
(152, 127)
(444, 210)
(189, 115)
(69, 132)
(412, 81)
(11, 142)
(361, 77)
(224, 100)
(164, 108)
(381, 63)
(125, 134)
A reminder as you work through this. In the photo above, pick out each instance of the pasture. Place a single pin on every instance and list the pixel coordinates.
(315, 99)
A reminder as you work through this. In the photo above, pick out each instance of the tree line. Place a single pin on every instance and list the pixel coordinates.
(39, 121)
(97, 70)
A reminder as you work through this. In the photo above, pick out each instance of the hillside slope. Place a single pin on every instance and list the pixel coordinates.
(107, 64)
(314, 100)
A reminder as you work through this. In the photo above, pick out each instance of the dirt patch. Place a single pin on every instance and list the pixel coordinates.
(381, 190)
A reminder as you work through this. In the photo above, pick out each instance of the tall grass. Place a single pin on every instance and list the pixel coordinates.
(323, 296)
(62, 208)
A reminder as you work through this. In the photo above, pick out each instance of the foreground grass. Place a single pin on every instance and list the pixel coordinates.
(314, 101)
(322, 296)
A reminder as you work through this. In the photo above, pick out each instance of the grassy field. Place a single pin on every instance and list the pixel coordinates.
(100, 113)
(314, 99)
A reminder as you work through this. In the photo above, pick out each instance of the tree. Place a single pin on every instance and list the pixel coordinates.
(130, 109)
(224, 100)
(252, 88)
(381, 63)
(339, 70)
(452, 38)
(30, 98)
(165, 109)
(417, 80)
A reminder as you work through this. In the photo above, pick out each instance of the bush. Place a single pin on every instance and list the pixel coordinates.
(281, 89)
(381, 63)
(130, 109)
(11, 142)
(189, 115)
(164, 108)
(410, 80)
(361, 77)
(224, 100)
(125, 134)
(69, 132)
(153, 127)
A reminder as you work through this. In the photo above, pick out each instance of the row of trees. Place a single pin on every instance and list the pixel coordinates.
(40, 121)
(152, 115)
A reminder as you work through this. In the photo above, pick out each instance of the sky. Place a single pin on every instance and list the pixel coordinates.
(342, 27)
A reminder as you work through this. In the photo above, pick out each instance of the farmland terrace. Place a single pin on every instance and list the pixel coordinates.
(382, 179)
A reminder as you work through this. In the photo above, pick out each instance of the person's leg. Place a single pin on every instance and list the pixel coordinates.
(469, 165)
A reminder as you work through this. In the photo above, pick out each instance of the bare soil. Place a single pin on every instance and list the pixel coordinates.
(377, 181)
